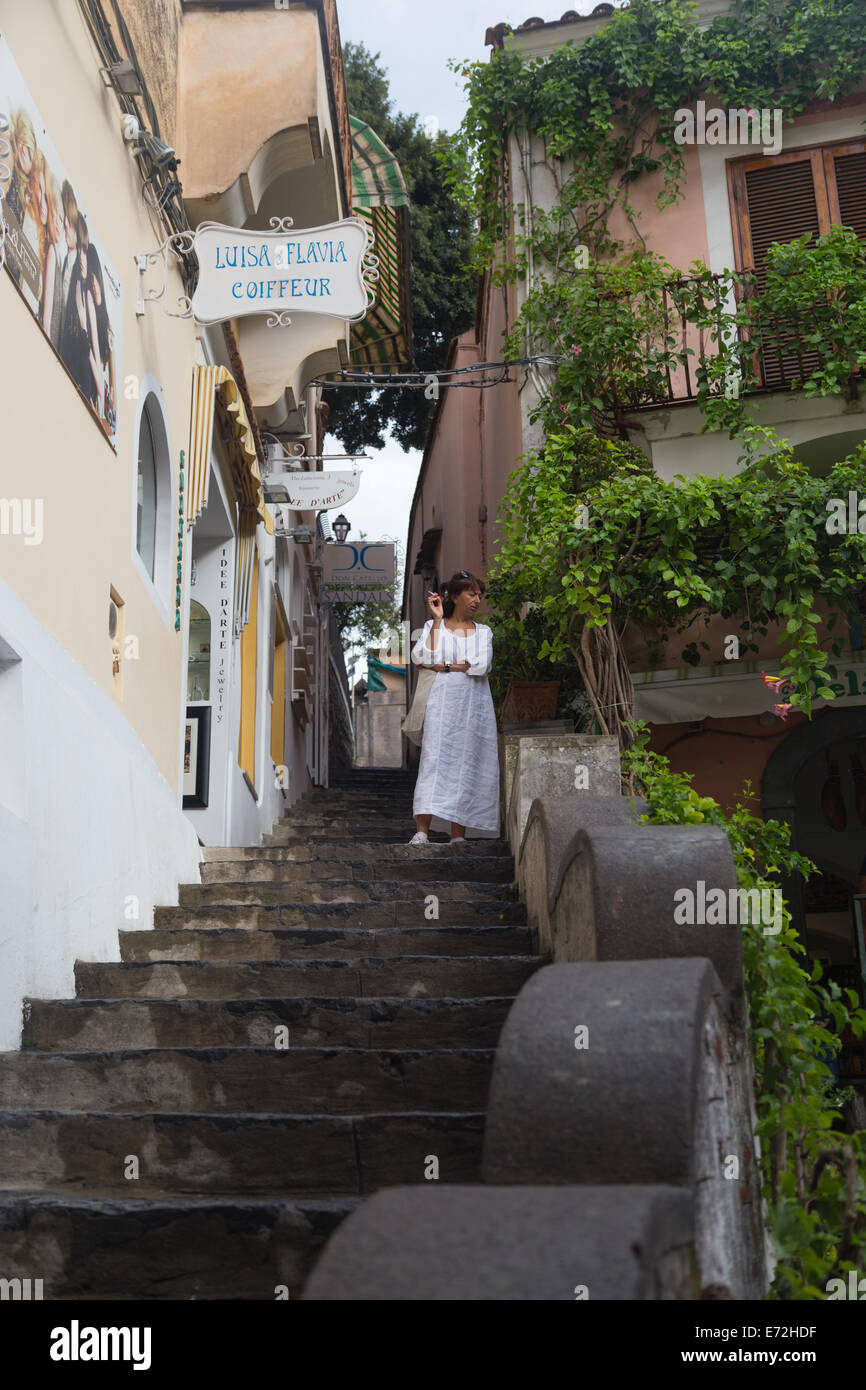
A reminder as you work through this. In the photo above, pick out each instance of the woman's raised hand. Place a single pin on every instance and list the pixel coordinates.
(434, 603)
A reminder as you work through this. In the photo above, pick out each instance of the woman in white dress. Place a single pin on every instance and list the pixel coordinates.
(458, 777)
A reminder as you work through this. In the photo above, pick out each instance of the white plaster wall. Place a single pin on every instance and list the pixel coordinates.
(88, 824)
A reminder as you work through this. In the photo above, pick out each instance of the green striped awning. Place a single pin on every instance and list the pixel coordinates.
(380, 198)
(374, 669)
(377, 179)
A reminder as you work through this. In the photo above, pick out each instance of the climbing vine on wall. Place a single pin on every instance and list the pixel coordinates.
(607, 549)
(602, 116)
(605, 111)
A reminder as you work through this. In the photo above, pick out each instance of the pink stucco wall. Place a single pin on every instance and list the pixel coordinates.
(473, 445)
(477, 440)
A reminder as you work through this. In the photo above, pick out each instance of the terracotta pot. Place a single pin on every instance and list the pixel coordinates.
(527, 701)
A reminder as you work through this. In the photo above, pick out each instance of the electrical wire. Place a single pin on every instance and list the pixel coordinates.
(161, 189)
(421, 379)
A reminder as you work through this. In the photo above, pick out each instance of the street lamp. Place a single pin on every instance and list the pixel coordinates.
(341, 528)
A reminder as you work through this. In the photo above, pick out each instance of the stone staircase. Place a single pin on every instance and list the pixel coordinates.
(301, 1030)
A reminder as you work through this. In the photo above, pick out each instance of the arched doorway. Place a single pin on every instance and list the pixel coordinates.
(816, 782)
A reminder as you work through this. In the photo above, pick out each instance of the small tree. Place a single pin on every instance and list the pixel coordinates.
(602, 545)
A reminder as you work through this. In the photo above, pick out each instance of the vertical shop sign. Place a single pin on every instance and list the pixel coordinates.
(224, 617)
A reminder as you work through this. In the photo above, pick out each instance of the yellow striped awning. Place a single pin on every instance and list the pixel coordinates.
(211, 385)
(245, 559)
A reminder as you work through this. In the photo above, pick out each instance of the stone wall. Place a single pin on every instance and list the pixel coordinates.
(341, 738)
(378, 738)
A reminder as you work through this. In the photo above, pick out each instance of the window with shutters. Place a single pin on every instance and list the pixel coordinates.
(780, 198)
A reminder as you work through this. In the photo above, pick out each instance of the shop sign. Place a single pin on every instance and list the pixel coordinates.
(359, 563)
(223, 643)
(318, 492)
(320, 270)
(358, 595)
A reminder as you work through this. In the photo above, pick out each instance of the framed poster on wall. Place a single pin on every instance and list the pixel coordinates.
(53, 252)
(196, 755)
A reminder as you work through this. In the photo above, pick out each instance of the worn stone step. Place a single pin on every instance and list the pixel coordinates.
(402, 789)
(354, 796)
(350, 776)
(351, 827)
(411, 977)
(370, 833)
(360, 820)
(359, 825)
(305, 814)
(311, 943)
(297, 1081)
(475, 868)
(365, 776)
(486, 912)
(352, 804)
(354, 851)
(158, 1248)
(233, 1153)
(318, 890)
(75, 1025)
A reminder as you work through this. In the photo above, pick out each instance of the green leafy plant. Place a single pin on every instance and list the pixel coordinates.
(605, 112)
(813, 1179)
(600, 118)
(603, 546)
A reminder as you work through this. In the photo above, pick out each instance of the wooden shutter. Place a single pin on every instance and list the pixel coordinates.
(845, 172)
(778, 198)
(781, 205)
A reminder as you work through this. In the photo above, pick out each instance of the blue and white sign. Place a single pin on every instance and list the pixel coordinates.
(321, 270)
(359, 562)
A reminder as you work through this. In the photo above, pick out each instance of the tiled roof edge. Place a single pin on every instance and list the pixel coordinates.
(497, 32)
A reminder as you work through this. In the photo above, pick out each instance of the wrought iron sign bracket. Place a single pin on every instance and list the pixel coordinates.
(178, 245)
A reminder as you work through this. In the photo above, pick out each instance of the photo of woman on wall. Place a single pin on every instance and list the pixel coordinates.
(75, 342)
(44, 191)
(458, 776)
(17, 195)
(101, 356)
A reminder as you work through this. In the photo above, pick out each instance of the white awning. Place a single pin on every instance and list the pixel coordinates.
(732, 690)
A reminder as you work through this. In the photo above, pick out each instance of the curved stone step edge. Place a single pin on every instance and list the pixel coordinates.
(87, 1247)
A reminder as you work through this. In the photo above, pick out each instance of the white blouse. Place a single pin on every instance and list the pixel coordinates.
(475, 647)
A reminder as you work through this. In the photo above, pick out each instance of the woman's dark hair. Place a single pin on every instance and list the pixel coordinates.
(457, 584)
(103, 322)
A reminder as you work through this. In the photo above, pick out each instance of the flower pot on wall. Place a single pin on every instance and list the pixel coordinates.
(528, 701)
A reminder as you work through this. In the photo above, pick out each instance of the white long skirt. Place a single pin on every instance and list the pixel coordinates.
(458, 777)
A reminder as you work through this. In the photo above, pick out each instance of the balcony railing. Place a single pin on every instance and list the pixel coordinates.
(696, 338)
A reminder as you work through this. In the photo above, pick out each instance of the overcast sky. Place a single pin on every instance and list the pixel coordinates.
(415, 42)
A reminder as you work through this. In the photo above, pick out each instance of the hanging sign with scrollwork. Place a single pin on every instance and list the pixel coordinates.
(318, 492)
(320, 270)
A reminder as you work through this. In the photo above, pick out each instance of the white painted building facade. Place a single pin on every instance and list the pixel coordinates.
(98, 672)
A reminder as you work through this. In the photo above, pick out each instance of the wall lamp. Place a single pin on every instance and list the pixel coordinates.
(123, 77)
(303, 535)
(341, 528)
(161, 155)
